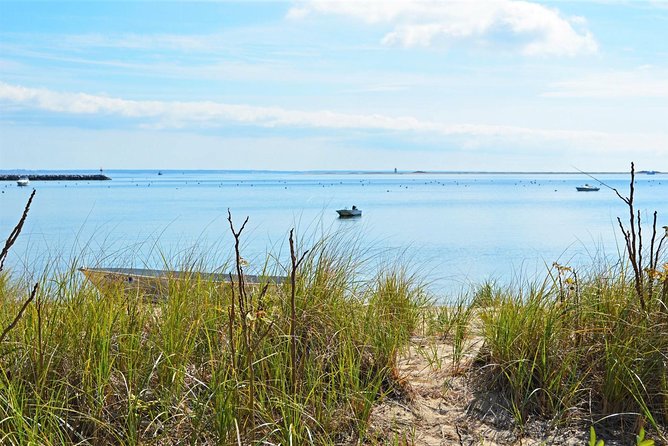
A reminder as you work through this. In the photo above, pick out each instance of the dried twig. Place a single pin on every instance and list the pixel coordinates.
(632, 236)
(293, 308)
(20, 313)
(245, 304)
(40, 346)
(231, 318)
(642, 277)
(3, 255)
(604, 184)
(15, 233)
(240, 272)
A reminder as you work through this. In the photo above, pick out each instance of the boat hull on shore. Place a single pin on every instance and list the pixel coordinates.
(157, 283)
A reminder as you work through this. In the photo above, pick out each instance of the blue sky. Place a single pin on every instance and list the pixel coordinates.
(316, 84)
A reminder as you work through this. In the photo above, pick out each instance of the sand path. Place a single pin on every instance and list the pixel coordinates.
(441, 408)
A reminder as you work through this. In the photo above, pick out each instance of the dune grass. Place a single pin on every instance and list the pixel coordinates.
(588, 351)
(209, 364)
(583, 346)
(589, 345)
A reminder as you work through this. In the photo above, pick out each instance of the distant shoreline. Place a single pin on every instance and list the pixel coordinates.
(13, 174)
(63, 177)
(483, 172)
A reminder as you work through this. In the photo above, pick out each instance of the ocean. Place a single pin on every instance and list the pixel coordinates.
(455, 229)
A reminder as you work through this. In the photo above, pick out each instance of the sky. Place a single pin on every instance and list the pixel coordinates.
(492, 85)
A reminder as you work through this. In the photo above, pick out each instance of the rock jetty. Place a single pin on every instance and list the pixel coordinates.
(57, 177)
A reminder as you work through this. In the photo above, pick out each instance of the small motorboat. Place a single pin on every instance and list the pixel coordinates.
(23, 181)
(345, 213)
(587, 188)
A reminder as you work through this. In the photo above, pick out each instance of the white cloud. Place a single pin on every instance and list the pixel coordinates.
(207, 114)
(644, 82)
(534, 28)
(660, 4)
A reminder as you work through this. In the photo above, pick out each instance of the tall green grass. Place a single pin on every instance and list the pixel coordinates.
(578, 346)
(109, 368)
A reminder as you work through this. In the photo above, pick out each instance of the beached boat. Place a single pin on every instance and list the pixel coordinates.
(345, 213)
(152, 282)
(23, 181)
(587, 188)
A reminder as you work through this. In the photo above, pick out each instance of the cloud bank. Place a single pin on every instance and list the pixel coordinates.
(644, 82)
(535, 29)
(178, 114)
(208, 114)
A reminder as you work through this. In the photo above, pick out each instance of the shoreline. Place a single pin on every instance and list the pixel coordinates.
(26, 172)
(64, 177)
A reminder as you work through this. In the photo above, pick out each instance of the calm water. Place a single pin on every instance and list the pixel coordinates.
(458, 227)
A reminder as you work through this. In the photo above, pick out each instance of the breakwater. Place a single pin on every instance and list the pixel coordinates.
(57, 177)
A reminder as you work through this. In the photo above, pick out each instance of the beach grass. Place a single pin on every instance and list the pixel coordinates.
(586, 344)
(584, 349)
(209, 364)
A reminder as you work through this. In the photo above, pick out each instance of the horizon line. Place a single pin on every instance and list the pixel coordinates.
(346, 171)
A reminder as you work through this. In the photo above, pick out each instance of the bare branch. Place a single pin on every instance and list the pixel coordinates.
(240, 272)
(231, 318)
(633, 238)
(652, 264)
(15, 233)
(604, 184)
(3, 255)
(20, 313)
(293, 308)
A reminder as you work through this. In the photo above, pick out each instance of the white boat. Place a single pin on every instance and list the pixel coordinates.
(587, 188)
(345, 213)
(23, 181)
